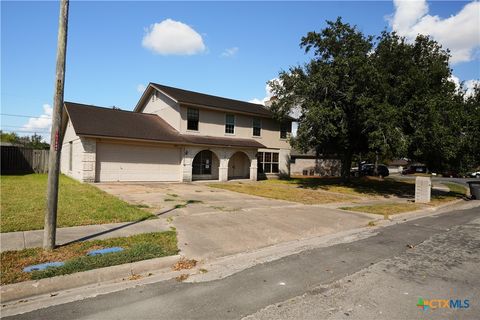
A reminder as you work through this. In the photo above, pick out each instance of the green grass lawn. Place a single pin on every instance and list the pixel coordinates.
(23, 199)
(138, 247)
(456, 192)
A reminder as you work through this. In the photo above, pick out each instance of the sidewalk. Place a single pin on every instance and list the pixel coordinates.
(31, 239)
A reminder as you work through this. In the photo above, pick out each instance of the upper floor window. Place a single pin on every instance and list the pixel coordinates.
(257, 127)
(192, 119)
(230, 123)
(283, 130)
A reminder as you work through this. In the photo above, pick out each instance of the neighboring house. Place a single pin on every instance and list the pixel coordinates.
(174, 135)
(308, 164)
(397, 165)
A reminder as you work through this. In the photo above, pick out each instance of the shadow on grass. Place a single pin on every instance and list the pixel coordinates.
(128, 224)
(365, 185)
(446, 195)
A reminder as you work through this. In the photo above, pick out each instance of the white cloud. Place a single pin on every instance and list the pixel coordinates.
(42, 124)
(171, 37)
(268, 94)
(230, 52)
(470, 84)
(455, 80)
(467, 85)
(459, 32)
(141, 87)
(257, 101)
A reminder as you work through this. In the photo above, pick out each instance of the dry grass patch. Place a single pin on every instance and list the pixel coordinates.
(284, 192)
(184, 263)
(360, 187)
(386, 209)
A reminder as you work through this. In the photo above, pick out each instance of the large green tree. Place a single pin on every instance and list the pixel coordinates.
(391, 98)
(431, 114)
(329, 92)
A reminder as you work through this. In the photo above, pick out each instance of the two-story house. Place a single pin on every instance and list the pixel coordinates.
(174, 135)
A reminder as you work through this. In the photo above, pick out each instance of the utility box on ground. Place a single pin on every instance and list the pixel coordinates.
(423, 189)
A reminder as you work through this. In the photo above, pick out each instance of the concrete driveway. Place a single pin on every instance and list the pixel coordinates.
(213, 222)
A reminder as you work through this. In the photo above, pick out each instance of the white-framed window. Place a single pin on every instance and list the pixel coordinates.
(192, 119)
(257, 127)
(230, 123)
(267, 162)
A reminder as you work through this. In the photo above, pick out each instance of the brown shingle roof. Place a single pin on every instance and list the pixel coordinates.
(104, 122)
(191, 97)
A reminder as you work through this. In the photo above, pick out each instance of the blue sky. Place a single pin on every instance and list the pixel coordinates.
(240, 46)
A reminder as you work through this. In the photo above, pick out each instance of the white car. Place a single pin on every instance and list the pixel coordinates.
(475, 174)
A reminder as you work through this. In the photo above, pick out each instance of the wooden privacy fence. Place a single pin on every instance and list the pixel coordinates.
(23, 160)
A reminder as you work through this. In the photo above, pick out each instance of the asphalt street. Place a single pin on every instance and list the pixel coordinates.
(380, 277)
(440, 179)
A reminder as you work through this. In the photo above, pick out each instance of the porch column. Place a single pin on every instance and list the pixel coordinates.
(187, 165)
(253, 169)
(223, 169)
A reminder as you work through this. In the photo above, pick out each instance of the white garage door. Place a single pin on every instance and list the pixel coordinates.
(119, 162)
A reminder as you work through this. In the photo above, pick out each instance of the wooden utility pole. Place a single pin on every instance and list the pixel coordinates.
(57, 132)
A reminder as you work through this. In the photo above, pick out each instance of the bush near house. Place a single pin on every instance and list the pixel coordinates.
(23, 201)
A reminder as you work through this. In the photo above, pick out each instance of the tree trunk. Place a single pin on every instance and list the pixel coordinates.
(375, 166)
(346, 166)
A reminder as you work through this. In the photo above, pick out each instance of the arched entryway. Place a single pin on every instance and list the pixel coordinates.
(205, 166)
(239, 166)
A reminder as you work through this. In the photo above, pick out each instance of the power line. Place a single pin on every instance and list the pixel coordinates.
(19, 127)
(24, 116)
(21, 131)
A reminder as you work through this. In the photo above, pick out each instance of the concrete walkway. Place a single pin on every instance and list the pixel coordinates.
(31, 239)
(220, 222)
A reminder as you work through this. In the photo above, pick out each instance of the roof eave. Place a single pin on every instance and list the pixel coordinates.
(179, 143)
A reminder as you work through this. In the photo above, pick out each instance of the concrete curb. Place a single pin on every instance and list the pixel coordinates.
(31, 288)
(408, 214)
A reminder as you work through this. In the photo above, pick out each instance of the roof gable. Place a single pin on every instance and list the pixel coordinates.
(205, 100)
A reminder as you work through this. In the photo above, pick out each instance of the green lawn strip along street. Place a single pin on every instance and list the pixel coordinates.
(23, 199)
(386, 209)
(438, 197)
(137, 247)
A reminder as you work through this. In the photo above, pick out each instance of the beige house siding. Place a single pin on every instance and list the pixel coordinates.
(212, 123)
(319, 167)
(164, 107)
(71, 141)
(82, 156)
